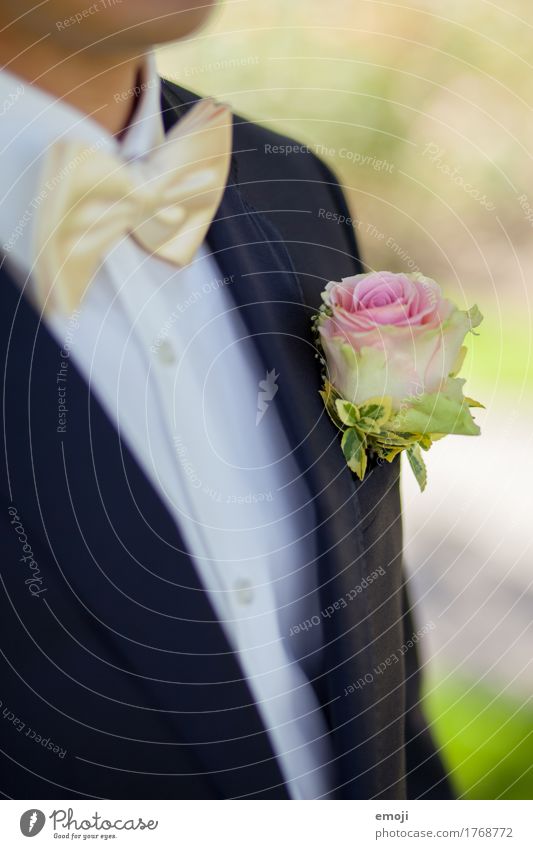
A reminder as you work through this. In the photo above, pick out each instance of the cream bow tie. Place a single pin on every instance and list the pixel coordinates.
(166, 202)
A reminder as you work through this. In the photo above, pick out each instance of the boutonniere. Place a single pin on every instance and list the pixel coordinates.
(392, 349)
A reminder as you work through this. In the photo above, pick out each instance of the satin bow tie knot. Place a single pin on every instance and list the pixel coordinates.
(93, 199)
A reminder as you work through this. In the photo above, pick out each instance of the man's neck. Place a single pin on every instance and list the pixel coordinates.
(99, 84)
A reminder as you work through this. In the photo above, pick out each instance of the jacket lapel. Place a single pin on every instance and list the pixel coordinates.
(267, 291)
(366, 733)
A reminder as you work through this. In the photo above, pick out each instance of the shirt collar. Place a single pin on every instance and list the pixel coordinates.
(146, 127)
(33, 120)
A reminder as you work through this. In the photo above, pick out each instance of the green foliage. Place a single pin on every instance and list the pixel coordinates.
(373, 427)
(374, 414)
(353, 445)
(347, 412)
(446, 411)
(486, 739)
(416, 461)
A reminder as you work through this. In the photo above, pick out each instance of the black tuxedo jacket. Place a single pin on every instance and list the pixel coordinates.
(117, 680)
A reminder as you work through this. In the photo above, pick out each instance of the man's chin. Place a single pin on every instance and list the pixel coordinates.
(166, 25)
(123, 34)
(165, 32)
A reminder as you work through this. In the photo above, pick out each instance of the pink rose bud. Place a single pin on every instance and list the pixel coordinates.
(391, 335)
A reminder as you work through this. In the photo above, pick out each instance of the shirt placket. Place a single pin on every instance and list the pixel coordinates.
(243, 604)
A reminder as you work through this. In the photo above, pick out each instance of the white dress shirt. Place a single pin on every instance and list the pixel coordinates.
(166, 352)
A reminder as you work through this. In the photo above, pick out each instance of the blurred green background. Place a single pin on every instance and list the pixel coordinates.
(424, 111)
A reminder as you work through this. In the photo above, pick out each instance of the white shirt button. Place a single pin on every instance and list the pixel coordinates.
(243, 591)
(166, 353)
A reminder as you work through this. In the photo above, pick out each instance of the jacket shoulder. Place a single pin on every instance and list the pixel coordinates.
(288, 154)
(283, 178)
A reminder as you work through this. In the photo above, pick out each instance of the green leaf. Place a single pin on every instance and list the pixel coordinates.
(347, 412)
(377, 410)
(474, 315)
(329, 396)
(387, 453)
(392, 454)
(369, 426)
(389, 439)
(418, 466)
(425, 441)
(473, 403)
(353, 445)
(441, 412)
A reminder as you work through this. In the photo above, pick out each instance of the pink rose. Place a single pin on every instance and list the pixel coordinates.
(391, 335)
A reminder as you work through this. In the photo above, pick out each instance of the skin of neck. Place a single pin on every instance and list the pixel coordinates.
(99, 83)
